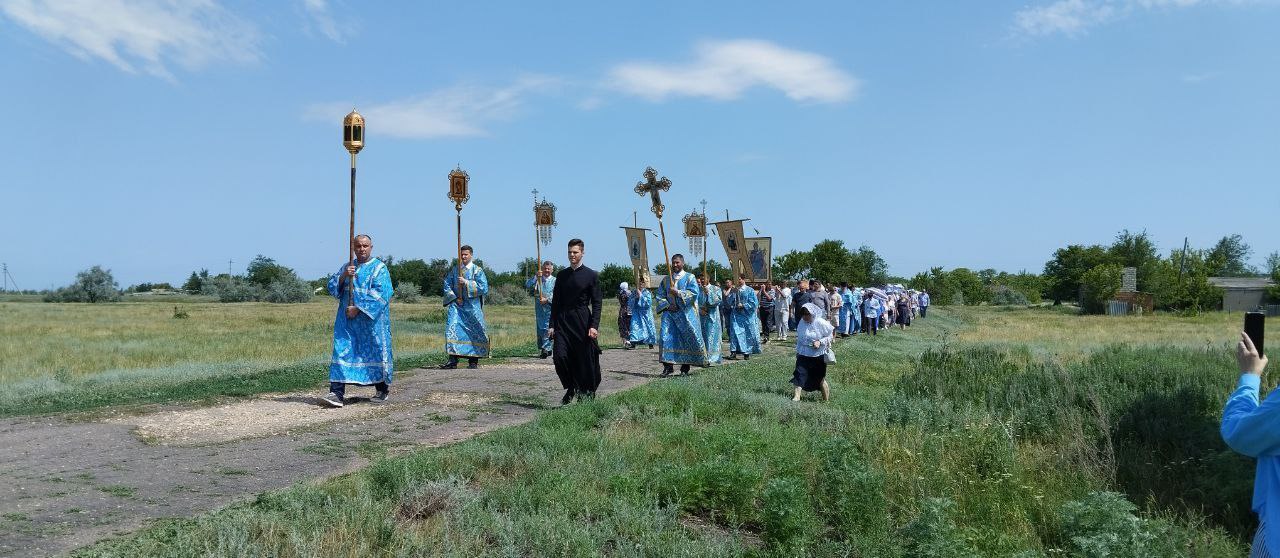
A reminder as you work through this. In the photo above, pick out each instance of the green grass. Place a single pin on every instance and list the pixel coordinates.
(75, 357)
(949, 439)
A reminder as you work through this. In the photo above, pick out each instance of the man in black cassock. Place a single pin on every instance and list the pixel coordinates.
(574, 326)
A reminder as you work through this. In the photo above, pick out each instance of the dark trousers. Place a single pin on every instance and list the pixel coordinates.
(924, 310)
(340, 389)
(871, 325)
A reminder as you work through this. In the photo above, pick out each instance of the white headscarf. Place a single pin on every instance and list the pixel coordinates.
(624, 287)
(806, 333)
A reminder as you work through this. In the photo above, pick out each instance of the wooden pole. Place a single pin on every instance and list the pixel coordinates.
(670, 282)
(537, 262)
(458, 291)
(351, 238)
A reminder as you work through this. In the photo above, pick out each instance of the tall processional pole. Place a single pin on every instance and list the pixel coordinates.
(459, 194)
(353, 140)
(544, 218)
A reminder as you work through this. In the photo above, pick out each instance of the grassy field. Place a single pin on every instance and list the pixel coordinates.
(66, 357)
(967, 435)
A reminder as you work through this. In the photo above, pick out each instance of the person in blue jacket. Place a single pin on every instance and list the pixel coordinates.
(1253, 429)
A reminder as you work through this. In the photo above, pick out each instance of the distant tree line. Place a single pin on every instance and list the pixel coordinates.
(264, 280)
(1180, 281)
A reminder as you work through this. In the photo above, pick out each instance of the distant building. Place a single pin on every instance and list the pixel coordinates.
(1242, 294)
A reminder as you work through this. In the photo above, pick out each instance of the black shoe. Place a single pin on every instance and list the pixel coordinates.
(684, 369)
(627, 345)
(380, 397)
(650, 345)
(543, 354)
(449, 365)
(746, 356)
(473, 365)
(667, 369)
(568, 396)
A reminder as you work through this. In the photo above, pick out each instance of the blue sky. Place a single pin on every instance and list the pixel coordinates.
(155, 137)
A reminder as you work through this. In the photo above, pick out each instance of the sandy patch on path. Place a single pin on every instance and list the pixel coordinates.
(264, 416)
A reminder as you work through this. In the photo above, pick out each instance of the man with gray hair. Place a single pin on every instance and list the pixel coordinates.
(362, 328)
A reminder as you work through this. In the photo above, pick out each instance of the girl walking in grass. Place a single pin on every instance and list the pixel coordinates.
(814, 335)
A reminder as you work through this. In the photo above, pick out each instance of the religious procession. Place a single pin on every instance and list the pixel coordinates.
(689, 318)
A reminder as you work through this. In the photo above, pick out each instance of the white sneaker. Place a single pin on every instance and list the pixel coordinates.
(333, 400)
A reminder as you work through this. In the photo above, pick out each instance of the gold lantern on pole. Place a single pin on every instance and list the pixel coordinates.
(353, 140)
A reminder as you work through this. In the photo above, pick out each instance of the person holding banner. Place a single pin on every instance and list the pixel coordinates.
(681, 330)
(464, 332)
(541, 287)
(709, 299)
(744, 328)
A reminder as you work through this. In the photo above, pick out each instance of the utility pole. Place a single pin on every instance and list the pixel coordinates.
(8, 279)
(229, 273)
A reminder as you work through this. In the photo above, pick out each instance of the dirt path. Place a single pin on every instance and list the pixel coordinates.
(72, 482)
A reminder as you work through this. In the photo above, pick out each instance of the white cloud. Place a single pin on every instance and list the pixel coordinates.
(133, 35)
(458, 111)
(723, 70)
(1076, 17)
(318, 12)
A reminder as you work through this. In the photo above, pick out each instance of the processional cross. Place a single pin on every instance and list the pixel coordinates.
(652, 185)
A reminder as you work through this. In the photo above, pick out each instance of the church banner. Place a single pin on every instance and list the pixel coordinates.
(732, 238)
(638, 250)
(760, 259)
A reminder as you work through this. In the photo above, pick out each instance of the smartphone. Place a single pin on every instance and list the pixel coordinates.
(1254, 326)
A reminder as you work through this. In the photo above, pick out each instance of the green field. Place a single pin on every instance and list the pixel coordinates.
(979, 432)
(67, 357)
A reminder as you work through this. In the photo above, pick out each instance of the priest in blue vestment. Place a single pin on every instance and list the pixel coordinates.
(643, 331)
(681, 329)
(361, 331)
(744, 326)
(709, 299)
(464, 331)
(541, 287)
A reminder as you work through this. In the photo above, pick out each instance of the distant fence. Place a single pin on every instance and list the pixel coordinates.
(1272, 309)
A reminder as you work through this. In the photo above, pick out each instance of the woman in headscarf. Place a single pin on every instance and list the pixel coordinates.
(642, 328)
(814, 335)
(624, 314)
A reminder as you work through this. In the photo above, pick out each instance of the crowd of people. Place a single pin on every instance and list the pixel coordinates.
(695, 318)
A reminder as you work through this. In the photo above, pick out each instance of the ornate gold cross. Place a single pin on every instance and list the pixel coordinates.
(652, 185)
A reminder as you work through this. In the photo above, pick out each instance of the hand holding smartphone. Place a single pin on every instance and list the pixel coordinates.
(1255, 327)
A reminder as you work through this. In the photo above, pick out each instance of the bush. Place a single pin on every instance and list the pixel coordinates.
(787, 514)
(1004, 296)
(407, 292)
(231, 289)
(933, 535)
(92, 285)
(288, 289)
(1099, 284)
(1103, 525)
(509, 294)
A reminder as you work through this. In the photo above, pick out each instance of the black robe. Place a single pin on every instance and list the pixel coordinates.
(575, 308)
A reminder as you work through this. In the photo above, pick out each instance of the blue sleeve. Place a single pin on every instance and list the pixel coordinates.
(1248, 427)
(482, 283)
(450, 279)
(335, 283)
(373, 301)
